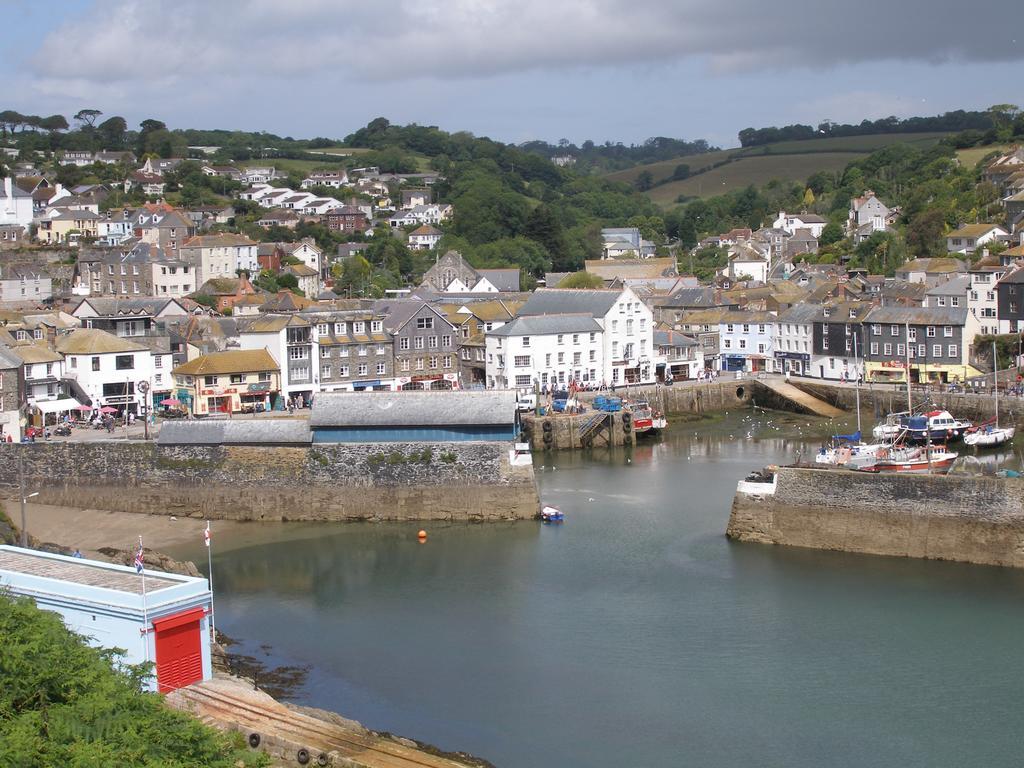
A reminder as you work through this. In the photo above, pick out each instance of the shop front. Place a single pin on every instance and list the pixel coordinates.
(887, 371)
(796, 363)
(431, 381)
(734, 362)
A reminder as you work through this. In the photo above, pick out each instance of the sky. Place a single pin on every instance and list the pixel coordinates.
(605, 70)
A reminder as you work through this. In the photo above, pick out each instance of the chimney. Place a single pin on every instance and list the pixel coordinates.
(59, 188)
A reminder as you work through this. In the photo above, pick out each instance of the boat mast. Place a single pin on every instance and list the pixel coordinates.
(906, 370)
(995, 378)
(856, 377)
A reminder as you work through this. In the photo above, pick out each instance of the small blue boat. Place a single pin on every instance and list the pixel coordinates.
(551, 515)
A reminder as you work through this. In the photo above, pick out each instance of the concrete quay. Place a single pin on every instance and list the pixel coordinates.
(939, 517)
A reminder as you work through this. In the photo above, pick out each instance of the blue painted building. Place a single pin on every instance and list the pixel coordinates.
(169, 626)
(434, 416)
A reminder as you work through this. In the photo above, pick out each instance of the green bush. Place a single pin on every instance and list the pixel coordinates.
(63, 703)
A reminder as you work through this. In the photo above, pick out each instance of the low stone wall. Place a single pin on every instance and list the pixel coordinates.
(382, 481)
(970, 519)
(884, 399)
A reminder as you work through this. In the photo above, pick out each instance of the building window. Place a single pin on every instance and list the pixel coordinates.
(358, 327)
(419, 363)
(210, 381)
(424, 322)
(577, 358)
(264, 376)
(559, 339)
(951, 350)
(874, 348)
(446, 342)
(901, 350)
(887, 350)
(381, 369)
(124, 362)
(522, 361)
(418, 342)
(376, 326)
(403, 344)
(432, 342)
(936, 350)
(894, 330)
(526, 341)
(446, 361)
(325, 351)
(561, 358)
(298, 353)
(912, 334)
(432, 362)
(363, 369)
(593, 336)
(237, 378)
(947, 331)
(381, 349)
(342, 351)
(321, 329)
(876, 330)
(339, 328)
(930, 332)
(824, 342)
(403, 365)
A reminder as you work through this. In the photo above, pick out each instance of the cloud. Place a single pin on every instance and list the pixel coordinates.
(196, 41)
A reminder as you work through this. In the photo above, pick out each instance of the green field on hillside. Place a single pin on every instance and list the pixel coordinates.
(791, 160)
(970, 157)
(756, 170)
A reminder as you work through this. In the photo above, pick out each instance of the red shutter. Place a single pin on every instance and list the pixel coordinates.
(179, 654)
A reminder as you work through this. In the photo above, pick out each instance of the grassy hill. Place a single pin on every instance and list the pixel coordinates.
(714, 173)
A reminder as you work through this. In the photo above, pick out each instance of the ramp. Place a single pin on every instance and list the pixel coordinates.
(801, 399)
(296, 738)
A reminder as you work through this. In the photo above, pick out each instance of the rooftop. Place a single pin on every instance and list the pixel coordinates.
(93, 341)
(229, 361)
(275, 431)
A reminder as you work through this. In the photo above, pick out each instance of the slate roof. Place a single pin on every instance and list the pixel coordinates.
(276, 431)
(505, 280)
(918, 315)
(229, 361)
(545, 325)
(958, 286)
(93, 341)
(36, 353)
(408, 409)
(562, 301)
(974, 230)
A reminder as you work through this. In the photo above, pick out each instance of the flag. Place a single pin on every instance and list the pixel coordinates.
(139, 560)
(206, 534)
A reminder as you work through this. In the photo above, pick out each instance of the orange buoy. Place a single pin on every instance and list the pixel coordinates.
(422, 535)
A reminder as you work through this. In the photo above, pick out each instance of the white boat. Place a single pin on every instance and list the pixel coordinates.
(990, 434)
(914, 460)
(847, 448)
(891, 428)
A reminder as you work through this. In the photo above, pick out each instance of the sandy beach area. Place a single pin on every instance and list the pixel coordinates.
(90, 529)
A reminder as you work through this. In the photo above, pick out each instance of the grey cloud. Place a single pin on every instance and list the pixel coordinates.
(327, 41)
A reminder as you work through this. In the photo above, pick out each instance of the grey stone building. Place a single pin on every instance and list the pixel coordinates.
(930, 339)
(355, 352)
(424, 343)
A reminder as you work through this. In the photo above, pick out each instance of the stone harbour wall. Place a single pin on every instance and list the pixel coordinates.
(970, 519)
(377, 481)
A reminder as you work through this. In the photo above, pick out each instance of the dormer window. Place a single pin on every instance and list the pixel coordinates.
(826, 312)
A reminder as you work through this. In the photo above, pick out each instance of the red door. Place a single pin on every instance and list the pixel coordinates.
(179, 655)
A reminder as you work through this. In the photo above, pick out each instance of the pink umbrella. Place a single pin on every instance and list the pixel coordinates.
(84, 408)
(170, 401)
(108, 409)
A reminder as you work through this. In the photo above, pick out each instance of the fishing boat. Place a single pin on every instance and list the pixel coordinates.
(936, 426)
(845, 448)
(646, 421)
(914, 460)
(551, 515)
(989, 433)
(891, 428)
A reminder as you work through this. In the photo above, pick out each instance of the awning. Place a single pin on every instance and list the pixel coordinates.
(57, 406)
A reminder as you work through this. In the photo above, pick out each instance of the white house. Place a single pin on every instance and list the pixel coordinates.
(794, 339)
(867, 215)
(15, 205)
(333, 179)
(982, 297)
(306, 251)
(967, 238)
(293, 345)
(109, 368)
(747, 341)
(43, 369)
(424, 238)
(791, 222)
(221, 255)
(173, 279)
(433, 213)
(547, 351)
(627, 324)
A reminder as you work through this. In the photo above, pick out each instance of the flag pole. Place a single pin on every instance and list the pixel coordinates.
(141, 568)
(209, 567)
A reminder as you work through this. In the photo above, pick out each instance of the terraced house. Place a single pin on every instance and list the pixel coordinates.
(424, 343)
(929, 339)
(233, 381)
(355, 352)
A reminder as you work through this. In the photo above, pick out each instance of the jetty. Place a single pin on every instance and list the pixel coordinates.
(297, 736)
(973, 519)
(800, 399)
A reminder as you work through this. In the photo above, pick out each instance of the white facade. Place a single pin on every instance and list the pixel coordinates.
(747, 343)
(791, 222)
(15, 205)
(793, 346)
(173, 279)
(104, 376)
(982, 303)
(550, 353)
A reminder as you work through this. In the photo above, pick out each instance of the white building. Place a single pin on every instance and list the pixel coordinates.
(333, 179)
(109, 368)
(546, 351)
(173, 279)
(794, 339)
(169, 626)
(747, 341)
(43, 369)
(15, 205)
(627, 324)
(967, 238)
(982, 299)
(791, 222)
(293, 345)
(306, 251)
(221, 255)
(433, 213)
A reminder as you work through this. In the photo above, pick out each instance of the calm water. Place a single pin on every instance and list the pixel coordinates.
(636, 634)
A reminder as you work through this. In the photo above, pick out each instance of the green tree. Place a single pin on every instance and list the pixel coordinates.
(112, 132)
(925, 233)
(87, 117)
(63, 703)
(581, 280)
(644, 181)
(832, 233)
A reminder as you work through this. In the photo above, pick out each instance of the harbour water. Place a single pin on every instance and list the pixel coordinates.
(635, 633)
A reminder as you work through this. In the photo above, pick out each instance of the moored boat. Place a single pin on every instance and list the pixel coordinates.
(645, 419)
(935, 426)
(989, 436)
(550, 514)
(909, 460)
(845, 448)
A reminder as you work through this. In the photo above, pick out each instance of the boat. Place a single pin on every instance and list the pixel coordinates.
(646, 421)
(936, 426)
(914, 460)
(989, 434)
(551, 515)
(892, 427)
(845, 448)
